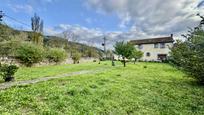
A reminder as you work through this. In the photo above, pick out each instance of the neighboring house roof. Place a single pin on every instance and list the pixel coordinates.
(153, 40)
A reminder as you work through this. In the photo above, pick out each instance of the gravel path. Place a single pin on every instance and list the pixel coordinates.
(27, 82)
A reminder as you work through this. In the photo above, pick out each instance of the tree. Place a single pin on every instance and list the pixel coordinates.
(37, 24)
(37, 27)
(125, 50)
(70, 36)
(136, 55)
(189, 54)
(76, 57)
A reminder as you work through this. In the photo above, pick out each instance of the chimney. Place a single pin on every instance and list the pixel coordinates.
(172, 35)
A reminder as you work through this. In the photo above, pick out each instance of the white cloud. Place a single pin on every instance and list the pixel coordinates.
(22, 8)
(145, 19)
(94, 37)
(158, 17)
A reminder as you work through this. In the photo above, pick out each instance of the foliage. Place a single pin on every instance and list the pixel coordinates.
(189, 54)
(91, 52)
(136, 55)
(125, 50)
(55, 42)
(19, 36)
(8, 48)
(158, 89)
(29, 53)
(56, 55)
(179, 52)
(37, 38)
(5, 33)
(7, 71)
(76, 57)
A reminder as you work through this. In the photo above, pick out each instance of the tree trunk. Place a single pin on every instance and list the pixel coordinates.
(124, 62)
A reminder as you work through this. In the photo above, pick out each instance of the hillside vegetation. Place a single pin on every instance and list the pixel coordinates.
(7, 33)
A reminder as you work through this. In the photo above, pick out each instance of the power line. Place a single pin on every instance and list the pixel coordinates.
(17, 20)
(4, 15)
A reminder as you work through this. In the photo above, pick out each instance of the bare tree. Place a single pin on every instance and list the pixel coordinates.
(69, 35)
(37, 27)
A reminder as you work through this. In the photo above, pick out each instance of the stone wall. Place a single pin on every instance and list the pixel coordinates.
(6, 60)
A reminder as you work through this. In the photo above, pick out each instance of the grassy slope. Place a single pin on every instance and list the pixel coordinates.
(158, 89)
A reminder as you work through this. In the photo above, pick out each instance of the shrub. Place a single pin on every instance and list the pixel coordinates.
(76, 57)
(29, 53)
(7, 71)
(145, 66)
(56, 55)
(8, 48)
(190, 54)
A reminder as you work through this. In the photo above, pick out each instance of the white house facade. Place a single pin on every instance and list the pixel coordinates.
(154, 49)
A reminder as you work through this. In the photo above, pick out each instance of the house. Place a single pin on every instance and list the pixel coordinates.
(154, 49)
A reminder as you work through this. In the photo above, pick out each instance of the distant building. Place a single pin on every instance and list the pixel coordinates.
(154, 49)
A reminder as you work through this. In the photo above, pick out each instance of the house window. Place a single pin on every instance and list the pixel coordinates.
(162, 45)
(140, 46)
(156, 45)
(147, 54)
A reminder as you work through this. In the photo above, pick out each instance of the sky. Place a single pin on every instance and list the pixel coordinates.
(117, 20)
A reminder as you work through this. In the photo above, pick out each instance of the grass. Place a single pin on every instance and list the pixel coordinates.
(26, 73)
(157, 89)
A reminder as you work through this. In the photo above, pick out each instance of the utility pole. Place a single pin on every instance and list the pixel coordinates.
(1, 15)
(104, 45)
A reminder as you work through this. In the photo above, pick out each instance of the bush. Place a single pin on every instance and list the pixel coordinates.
(7, 71)
(190, 54)
(8, 48)
(29, 54)
(76, 57)
(56, 55)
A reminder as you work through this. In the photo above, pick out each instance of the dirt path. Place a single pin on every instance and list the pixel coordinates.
(27, 82)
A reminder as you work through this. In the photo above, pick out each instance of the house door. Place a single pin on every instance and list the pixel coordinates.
(162, 57)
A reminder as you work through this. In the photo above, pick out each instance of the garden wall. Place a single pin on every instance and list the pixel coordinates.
(6, 60)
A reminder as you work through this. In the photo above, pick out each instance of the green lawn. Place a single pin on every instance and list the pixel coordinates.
(27, 73)
(157, 89)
